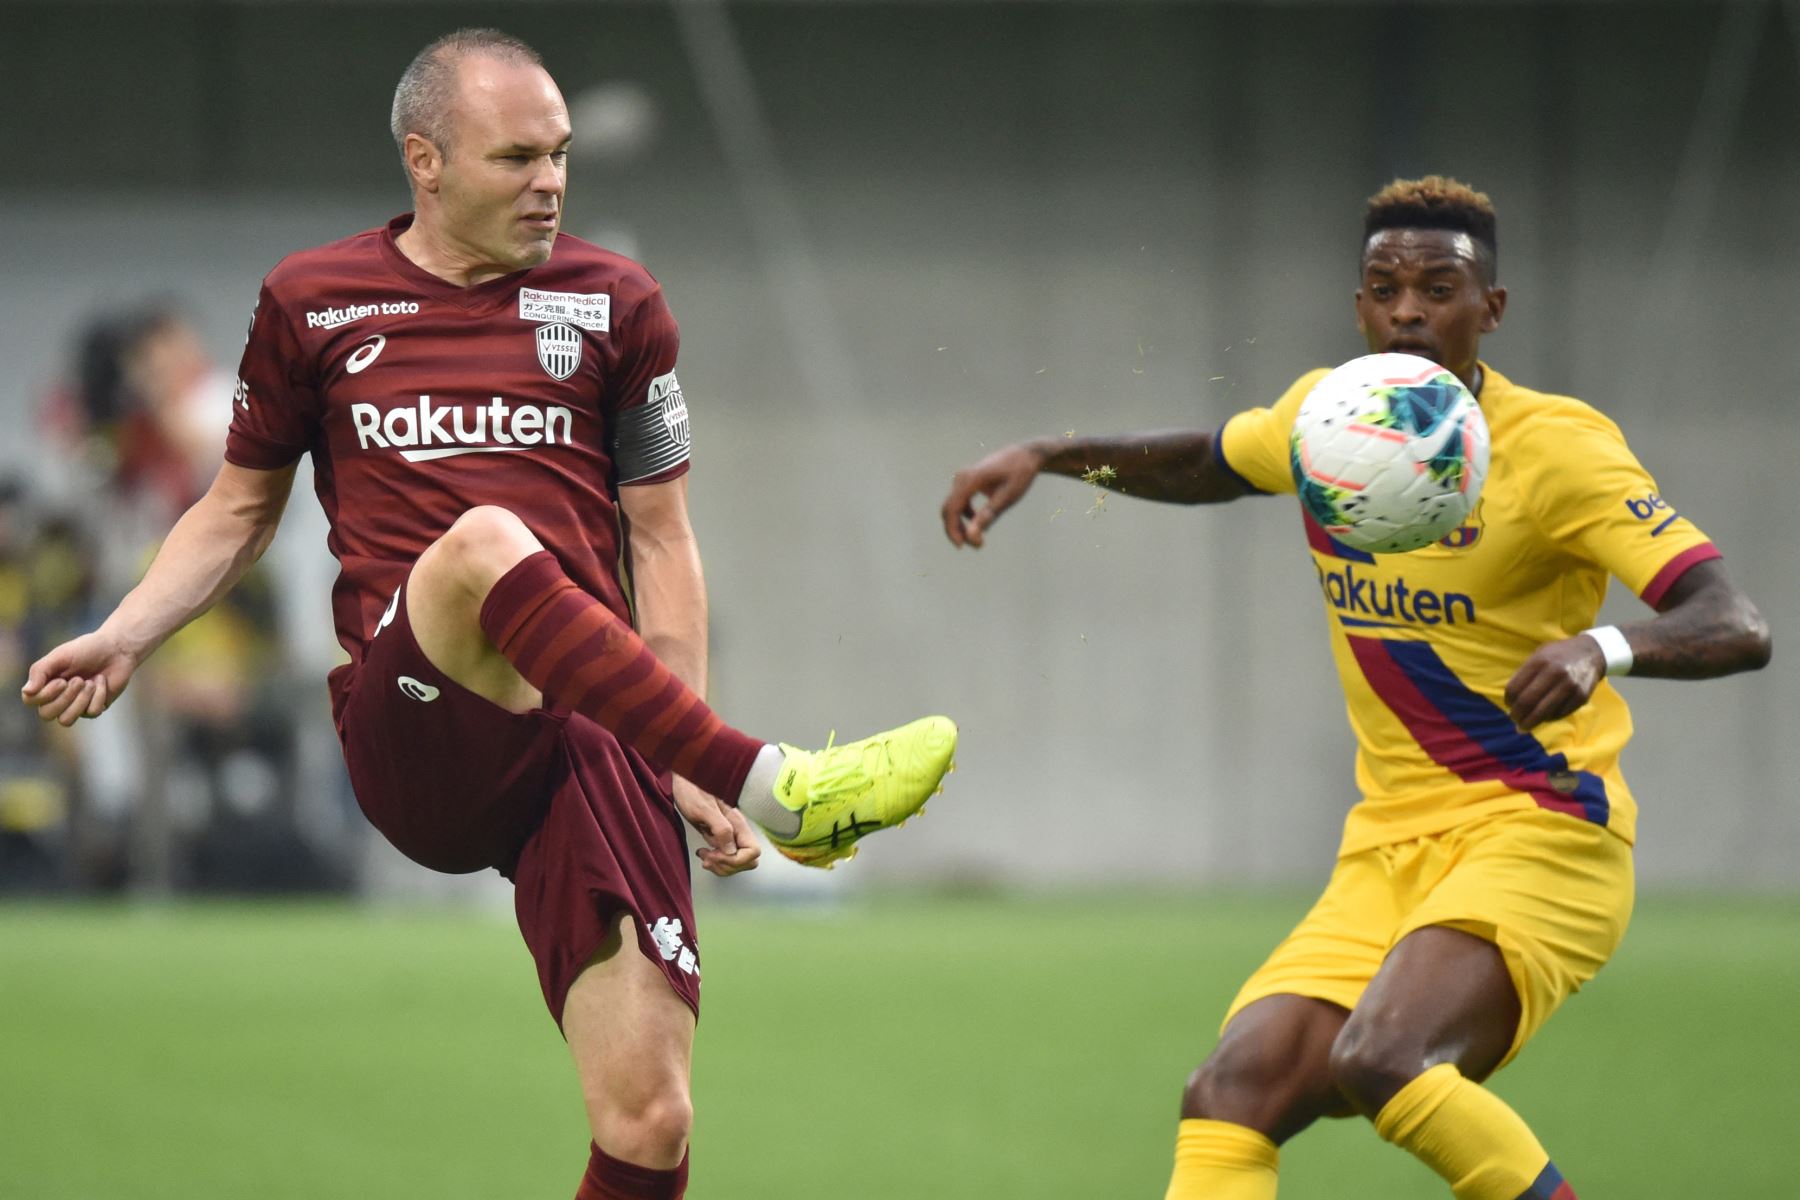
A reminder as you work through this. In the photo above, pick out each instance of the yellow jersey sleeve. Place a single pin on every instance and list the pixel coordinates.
(1591, 496)
(1253, 445)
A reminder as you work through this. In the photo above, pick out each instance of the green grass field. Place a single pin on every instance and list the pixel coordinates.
(917, 1049)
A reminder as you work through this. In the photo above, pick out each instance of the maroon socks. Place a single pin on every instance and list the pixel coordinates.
(608, 1178)
(583, 658)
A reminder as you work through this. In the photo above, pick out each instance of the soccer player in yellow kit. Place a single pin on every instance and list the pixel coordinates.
(1486, 873)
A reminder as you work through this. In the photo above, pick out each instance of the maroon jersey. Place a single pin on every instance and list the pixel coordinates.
(540, 392)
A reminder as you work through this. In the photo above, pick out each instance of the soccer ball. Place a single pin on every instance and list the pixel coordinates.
(1389, 452)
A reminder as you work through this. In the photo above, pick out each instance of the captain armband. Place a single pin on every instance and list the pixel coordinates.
(653, 437)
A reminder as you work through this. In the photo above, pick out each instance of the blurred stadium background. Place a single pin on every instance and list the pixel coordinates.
(896, 234)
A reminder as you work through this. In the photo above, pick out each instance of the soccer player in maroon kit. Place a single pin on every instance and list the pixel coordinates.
(494, 417)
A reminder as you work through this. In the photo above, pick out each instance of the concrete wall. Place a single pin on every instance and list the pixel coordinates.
(897, 235)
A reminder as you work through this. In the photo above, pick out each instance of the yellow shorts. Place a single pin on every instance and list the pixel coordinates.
(1552, 892)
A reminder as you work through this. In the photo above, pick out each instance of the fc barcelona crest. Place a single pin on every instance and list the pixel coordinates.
(1466, 534)
(559, 349)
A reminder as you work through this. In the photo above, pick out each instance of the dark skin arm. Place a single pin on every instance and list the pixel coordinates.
(1177, 467)
(1705, 627)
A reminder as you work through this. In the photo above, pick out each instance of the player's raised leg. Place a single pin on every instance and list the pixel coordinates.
(1267, 1079)
(632, 1041)
(494, 611)
(1439, 1017)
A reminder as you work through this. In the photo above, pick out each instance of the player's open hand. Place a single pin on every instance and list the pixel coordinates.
(1003, 477)
(78, 679)
(1555, 681)
(731, 844)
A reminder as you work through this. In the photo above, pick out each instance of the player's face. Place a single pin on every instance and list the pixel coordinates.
(500, 191)
(1424, 292)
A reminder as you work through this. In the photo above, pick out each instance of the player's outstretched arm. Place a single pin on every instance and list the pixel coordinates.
(1705, 627)
(208, 551)
(1178, 467)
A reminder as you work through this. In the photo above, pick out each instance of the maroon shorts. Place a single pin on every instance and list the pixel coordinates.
(584, 827)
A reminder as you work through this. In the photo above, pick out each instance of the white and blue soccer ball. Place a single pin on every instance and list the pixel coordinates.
(1389, 453)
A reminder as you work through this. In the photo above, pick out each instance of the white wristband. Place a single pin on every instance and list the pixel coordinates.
(1614, 646)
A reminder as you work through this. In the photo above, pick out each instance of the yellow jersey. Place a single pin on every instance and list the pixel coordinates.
(1425, 642)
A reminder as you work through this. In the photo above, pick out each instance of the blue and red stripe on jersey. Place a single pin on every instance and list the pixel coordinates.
(1468, 734)
(1325, 544)
(1549, 1185)
(1316, 537)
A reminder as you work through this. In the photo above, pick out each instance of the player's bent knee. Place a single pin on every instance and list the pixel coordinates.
(1246, 1085)
(1369, 1068)
(651, 1131)
(1225, 1084)
(482, 545)
(487, 526)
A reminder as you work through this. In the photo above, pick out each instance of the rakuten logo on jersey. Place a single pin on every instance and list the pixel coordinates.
(424, 431)
(335, 318)
(1360, 600)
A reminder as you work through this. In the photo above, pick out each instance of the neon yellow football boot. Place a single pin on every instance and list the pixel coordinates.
(845, 793)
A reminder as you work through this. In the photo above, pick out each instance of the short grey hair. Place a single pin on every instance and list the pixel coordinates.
(427, 90)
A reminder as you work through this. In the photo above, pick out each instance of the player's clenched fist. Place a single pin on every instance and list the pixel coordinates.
(1003, 477)
(731, 844)
(1555, 681)
(78, 679)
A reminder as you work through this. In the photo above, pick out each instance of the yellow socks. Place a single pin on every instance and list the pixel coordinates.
(1216, 1160)
(1454, 1126)
(1469, 1136)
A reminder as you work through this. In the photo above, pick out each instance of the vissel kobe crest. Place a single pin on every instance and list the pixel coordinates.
(559, 349)
(665, 394)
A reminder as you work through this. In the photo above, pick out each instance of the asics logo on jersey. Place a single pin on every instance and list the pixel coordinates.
(417, 690)
(426, 431)
(364, 354)
(335, 318)
(1360, 600)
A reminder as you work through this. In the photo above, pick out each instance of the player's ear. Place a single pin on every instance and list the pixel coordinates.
(423, 162)
(1362, 327)
(1494, 310)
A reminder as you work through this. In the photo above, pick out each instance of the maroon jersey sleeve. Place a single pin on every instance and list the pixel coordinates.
(275, 416)
(649, 425)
